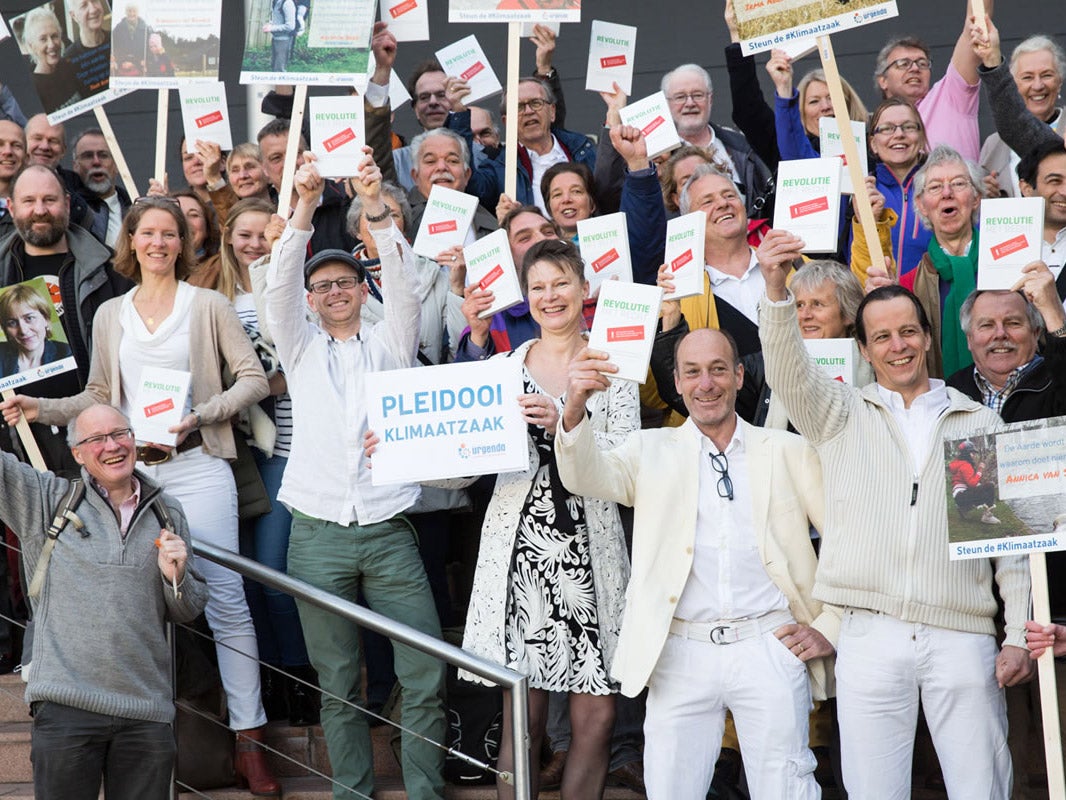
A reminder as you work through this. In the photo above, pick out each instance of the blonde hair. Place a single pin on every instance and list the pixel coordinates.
(229, 275)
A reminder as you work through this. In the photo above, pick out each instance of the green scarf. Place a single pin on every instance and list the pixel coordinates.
(960, 273)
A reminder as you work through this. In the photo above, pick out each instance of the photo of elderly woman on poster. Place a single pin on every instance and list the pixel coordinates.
(54, 77)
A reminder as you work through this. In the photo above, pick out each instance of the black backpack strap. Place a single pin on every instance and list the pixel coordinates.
(64, 513)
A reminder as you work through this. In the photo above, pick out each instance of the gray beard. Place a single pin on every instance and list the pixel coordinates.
(100, 187)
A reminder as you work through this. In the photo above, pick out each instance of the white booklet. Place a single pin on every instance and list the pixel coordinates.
(205, 114)
(684, 253)
(604, 245)
(626, 317)
(445, 221)
(1012, 231)
(832, 146)
(611, 51)
(808, 202)
(338, 134)
(838, 357)
(490, 266)
(652, 116)
(159, 404)
(465, 59)
(408, 19)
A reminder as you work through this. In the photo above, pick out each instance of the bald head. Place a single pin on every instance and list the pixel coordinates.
(45, 144)
(101, 440)
(12, 153)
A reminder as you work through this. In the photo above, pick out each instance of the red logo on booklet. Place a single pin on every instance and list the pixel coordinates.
(809, 207)
(208, 119)
(335, 141)
(605, 260)
(681, 260)
(612, 61)
(470, 72)
(626, 333)
(490, 278)
(655, 123)
(402, 8)
(1019, 242)
(443, 227)
(159, 408)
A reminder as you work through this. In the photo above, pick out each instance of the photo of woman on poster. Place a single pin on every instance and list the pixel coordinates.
(26, 318)
(54, 78)
(129, 43)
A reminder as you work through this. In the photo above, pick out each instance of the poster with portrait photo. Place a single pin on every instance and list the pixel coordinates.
(33, 345)
(163, 44)
(67, 48)
(313, 42)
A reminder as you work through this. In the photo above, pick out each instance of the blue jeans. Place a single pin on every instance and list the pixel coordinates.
(72, 750)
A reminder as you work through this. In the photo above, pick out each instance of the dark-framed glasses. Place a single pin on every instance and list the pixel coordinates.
(347, 282)
(904, 64)
(725, 484)
(118, 436)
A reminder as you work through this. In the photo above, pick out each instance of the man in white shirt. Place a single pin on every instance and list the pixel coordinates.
(719, 613)
(347, 533)
(1042, 173)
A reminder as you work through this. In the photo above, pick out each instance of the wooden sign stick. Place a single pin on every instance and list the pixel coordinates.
(978, 8)
(288, 175)
(29, 444)
(851, 152)
(161, 119)
(514, 40)
(116, 151)
(1045, 665)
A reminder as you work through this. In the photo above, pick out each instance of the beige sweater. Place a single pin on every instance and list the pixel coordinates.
(880, 550)
(217, 338)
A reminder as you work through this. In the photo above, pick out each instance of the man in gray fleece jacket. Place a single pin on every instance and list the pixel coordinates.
(915, 624)
(99, 682)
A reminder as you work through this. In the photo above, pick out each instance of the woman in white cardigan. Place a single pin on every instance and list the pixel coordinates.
(164, 322)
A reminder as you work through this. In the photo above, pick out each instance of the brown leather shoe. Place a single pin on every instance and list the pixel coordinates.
(630, 775)
(551, 774)
(251, 766)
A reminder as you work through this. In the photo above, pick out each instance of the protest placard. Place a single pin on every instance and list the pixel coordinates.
(205, 114)
(159, 404)
(162, 44)
(652, 115)
(332, 48)
(765, 24)
(604, 245)
(33, 345)
(831, 146)
(624, 326)
(612, 50)
(449, 421)
(1012, 235)
(445, 222)
(514, 11)
(490, 267)
(408, 19)
(684, 253)
(838, 357)
(338, 133)
(67, 80)
(465, 59)
(808, 201)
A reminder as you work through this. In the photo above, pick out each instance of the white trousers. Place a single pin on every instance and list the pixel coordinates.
(883, 666)
(766, 689)
(204, 486)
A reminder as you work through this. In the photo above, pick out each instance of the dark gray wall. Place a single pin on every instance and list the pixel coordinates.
(670, 32)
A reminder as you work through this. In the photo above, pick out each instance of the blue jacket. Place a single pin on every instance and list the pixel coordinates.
(793, 141)
(910, 238)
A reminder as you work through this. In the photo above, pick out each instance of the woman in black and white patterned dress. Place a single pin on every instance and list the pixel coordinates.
(552, 569)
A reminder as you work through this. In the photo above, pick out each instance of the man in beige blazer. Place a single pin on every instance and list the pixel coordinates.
(719, 612)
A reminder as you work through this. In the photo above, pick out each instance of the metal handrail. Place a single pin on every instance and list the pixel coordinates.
(516, 683)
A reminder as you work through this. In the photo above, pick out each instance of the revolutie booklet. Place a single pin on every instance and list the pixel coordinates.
(205, 114)
(1012, 231)
(611, 51)
(808, 202)
(604, 245)
(838, 357)
(337, 134)
(490, 267)
(684, 253)
(624, 327)
(465, 59)
(445, 222)
(652, 116)
(831, 145)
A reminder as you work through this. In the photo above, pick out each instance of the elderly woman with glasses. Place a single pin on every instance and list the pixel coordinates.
(165, 322)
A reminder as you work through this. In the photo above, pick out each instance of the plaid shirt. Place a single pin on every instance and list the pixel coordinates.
(994, 398)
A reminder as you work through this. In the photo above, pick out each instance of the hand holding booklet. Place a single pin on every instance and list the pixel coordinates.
(445, 222)
(159, 404)
(624, 327)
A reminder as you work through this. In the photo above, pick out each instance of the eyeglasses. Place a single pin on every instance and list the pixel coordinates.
(904, 64)
(536, 104)
(682, 97)
(119, 436)
(888, 128)
(93, 155)
(721, 465)
(958, 185)
(348, 282)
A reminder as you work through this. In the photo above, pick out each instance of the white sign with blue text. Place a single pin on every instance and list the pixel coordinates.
(449, 421)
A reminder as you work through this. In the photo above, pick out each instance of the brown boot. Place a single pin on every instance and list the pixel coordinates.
(253, 772)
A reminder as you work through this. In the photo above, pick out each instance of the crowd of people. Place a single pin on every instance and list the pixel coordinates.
(780, 595)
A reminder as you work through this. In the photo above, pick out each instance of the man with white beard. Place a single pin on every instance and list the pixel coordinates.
(96, 167)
